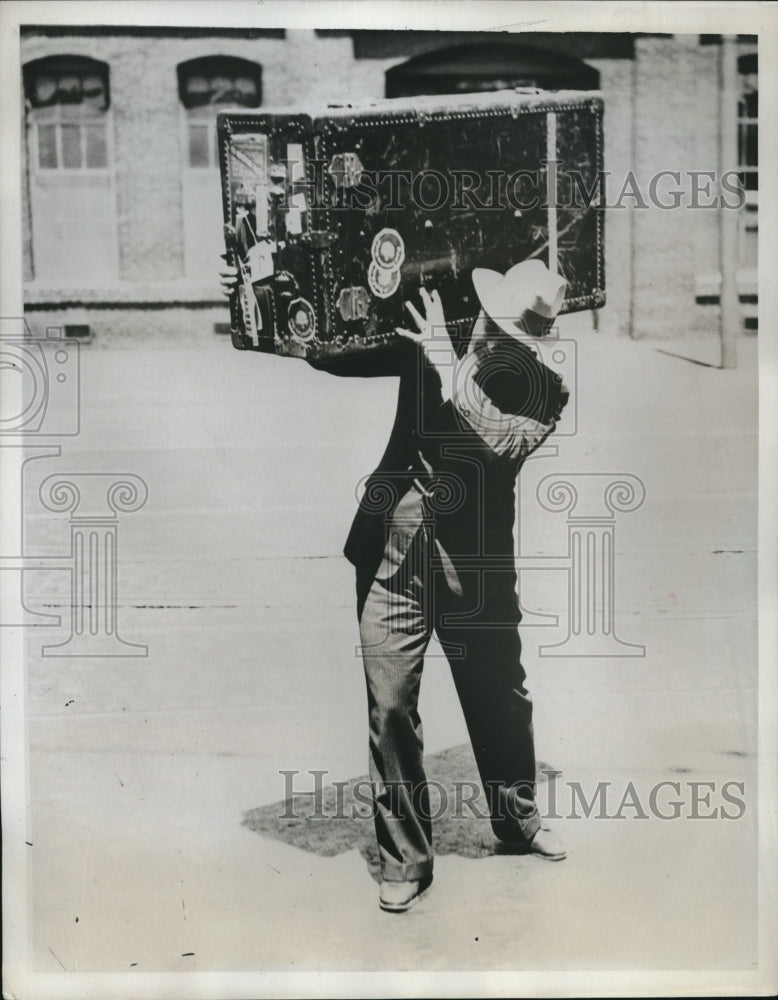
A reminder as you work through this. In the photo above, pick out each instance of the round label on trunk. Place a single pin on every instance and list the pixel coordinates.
(383, 282)
(302, 320)
(388, 249)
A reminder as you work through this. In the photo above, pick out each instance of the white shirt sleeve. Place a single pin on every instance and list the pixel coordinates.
(510, 435)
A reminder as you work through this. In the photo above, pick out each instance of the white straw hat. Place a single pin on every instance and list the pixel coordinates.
(527, 287)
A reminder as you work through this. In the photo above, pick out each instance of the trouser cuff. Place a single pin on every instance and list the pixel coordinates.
(406, 873)
(518, 830)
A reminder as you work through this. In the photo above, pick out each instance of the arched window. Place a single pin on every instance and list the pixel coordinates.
(68, 99)
(488, 66)
(204, 86)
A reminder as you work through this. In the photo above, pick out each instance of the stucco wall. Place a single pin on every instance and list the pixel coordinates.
(676, 111)
(661, 113)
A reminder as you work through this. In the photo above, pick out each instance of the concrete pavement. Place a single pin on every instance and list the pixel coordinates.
(141, 770)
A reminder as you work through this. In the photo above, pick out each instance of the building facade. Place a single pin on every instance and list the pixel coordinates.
(122, 220)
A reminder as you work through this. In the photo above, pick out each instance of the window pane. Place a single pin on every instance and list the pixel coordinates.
(220, 88)
(749, 179)
(246, 92)
(198, 146)
(96, 152)
(94, 92)
(752, 146)
(44, 89)
(47, 146)
(748, 145)
(197, 91)
(69, 89)
(71, 145)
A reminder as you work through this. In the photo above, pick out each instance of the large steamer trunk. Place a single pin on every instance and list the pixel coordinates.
(336, 216)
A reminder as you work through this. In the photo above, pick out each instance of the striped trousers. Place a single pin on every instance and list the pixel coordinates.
(399, 608)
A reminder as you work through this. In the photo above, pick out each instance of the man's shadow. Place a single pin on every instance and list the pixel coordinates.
(340, 818)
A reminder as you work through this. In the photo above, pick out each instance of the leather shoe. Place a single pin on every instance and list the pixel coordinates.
(546, 844)
(397, 897)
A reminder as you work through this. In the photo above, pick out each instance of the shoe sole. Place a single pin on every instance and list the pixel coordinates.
(404, 907)
(524, 850)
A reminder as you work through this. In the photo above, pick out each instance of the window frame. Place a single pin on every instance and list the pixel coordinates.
(205, 114)
(213, 142)
(60, 170)
(61, 114)
(746, 73)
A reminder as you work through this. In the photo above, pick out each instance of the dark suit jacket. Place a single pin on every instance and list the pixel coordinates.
(467, 489)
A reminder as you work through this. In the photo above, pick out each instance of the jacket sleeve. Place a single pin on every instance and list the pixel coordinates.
(388, 360)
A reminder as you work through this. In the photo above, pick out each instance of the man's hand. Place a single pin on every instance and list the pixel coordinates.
(433, 338)
(228, 279)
